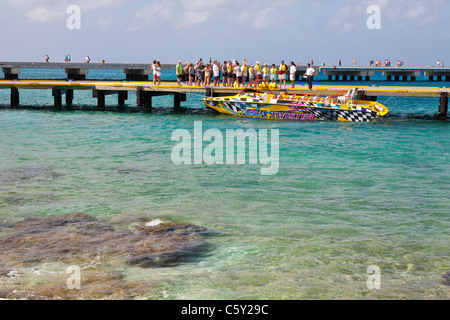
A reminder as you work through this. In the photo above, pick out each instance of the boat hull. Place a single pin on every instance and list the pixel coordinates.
(291, 111)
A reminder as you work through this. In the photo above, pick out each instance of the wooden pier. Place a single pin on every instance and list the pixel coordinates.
(145, 91)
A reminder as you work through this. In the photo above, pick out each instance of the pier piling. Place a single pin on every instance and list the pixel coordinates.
(100, 95)
(139, 96)
(144, 98)
(177, 98)
(122, 97)
(147, 101)
(14, 97)
(443, 106)
(69, 97)
(57, 97)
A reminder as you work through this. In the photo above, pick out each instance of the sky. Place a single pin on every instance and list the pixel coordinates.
(135, 31)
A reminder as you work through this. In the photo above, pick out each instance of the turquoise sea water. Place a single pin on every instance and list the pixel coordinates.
(347, 196)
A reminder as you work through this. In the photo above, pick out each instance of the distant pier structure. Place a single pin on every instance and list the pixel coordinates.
(141, 71)
(390, 73)
(78, 71)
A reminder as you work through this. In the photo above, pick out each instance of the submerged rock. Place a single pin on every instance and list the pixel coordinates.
(19, 175)
(95, 284)
(95, 246)
(78, 238)
(446, 276)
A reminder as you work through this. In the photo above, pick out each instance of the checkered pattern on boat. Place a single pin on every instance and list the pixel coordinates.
(357, 114)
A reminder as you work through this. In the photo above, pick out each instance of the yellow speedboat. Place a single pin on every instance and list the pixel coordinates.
(287, 106)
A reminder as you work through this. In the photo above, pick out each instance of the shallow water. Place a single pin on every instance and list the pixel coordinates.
(347, 196)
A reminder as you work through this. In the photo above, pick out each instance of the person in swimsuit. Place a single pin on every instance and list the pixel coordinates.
(225, 74)
(154, 72)
(208, 71)
(158, 72)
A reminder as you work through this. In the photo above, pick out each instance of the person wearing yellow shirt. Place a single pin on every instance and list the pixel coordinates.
(282, 73)
(244, 71)
(251, 73)
(265, 73)
(273, 74)
(231, 75)
(258, 71)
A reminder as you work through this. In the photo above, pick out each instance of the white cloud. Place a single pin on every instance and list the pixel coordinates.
(260, 18)
(417, 12)
(104, 20)
(191, 18)
(343, 21)
(153, 14)
(43, 15)
(50, 11)
(176, 14)
(413, 11)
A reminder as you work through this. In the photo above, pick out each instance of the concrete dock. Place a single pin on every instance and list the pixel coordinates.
(141, 71)
(78, 71)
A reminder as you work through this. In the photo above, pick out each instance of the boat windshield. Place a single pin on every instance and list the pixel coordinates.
(252, 86)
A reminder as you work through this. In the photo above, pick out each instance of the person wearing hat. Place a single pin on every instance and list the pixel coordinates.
(179, 70)
(244, 69)
(258, 72)
(251, 73)
(265, 73)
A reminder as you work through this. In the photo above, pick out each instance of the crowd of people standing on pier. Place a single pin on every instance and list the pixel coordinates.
(387, 63)
(232, 73)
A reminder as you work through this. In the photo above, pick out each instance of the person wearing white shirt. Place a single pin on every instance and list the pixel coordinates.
(292, 71)
(238, 72)
(216, 73)
(309, 75)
